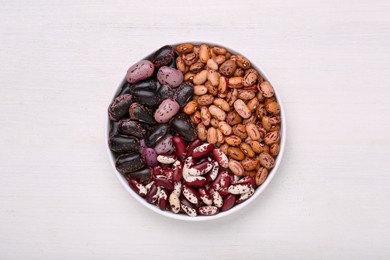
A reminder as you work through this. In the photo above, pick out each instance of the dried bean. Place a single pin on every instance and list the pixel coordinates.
(247, 149)
(236, 167)
(225, 128)
(266, 160)
(220, 59)
(272, 137)
(200, 90)
(236, 153)
(189, 77)
(201, 77)
(266, 89)
(212, 135)
(191, 107)
(217, 112)
(235, 82)
(190, 58)
(242, 109)
(212, 64)
(221, 103)
(249, 164)
(233, 118)
(239, 72)
(205, 100)
(224, 148)
(204, 55)
(213, 77)
(274, 150)
(214, 122)
(261, 176)
(233, 140)
(184, 48)
(231, 96)
(220, 137)
(253, 132)
(195, 117)
(219, 50)
(273, 108)
(253, 104)
(227, 68)
(212, 90)
(202, 132)
(205, 116)
(246, 94)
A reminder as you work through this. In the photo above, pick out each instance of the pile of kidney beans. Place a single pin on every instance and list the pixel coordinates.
(156, 146)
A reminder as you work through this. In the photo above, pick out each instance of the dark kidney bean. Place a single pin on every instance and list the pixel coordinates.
(130, 127)
(114, 130)
(184, 93)
(123, 144)
(147, 97)
(142, 113)
(182, 125)
(166, 92)
(173, 62)
(119, 108)
(128, 163)
(146, 84)
(143, 175)
(163, 56)
(155, 134)
(125, 89)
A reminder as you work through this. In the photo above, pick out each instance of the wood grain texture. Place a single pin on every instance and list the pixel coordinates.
(60, 62)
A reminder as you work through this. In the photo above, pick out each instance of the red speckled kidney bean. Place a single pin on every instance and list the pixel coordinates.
(192, 146)
(180, 147)
(162, 180)
(205, 196)
(228, 202)
(177, 171)
(202, 151)
(138, 187)
(220, 157)
(208, 210)
(163, 199)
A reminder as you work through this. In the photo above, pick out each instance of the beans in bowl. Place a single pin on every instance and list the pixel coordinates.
(194, 129)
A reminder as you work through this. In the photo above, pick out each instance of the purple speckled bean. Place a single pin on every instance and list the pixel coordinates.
(170, 76)
(150, 157)
(165, 145)
(140, 71)
(167, 109)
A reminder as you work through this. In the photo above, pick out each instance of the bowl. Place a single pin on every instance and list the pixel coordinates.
(236, 208)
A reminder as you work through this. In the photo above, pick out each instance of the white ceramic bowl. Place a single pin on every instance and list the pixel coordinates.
(236, 208)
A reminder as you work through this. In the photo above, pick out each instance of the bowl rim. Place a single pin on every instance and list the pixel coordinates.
(236, 208)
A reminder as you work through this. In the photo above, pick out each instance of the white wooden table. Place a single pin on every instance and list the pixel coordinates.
(60, 62)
